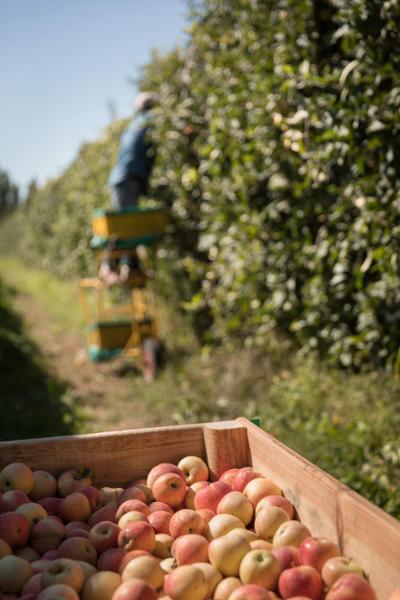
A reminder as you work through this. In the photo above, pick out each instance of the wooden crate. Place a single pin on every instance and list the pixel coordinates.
(327, 507)
(129, 223)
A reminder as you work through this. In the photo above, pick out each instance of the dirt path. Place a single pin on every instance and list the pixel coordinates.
(106, 390)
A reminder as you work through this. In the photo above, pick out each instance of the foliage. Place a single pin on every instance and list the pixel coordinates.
(8, 194)
(278, 159)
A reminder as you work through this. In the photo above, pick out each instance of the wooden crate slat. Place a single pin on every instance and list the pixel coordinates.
(116, 457)
(330, 509)
(226, 447)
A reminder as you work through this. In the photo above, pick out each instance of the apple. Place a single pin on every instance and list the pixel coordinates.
(71, 480)
(146, 491)
(268, 520)
(301, 581)
(74, 507)
(74, 525)
(242, 478)
(221, 525)
(229, 475)
(194, 469)
(58, 592)
(65, 571)
(33, 512)
(44, 485)
(350, 587)
(163, 545)
(275, 500)
(226, 587)
(132, 493)
(28, 553)
(248, 534)
(210, 495)
(130, 556)
(47, 535)
(134, 589)
(9, 501)
(336, 567)
(137, 536)
(16, 476)
(14, 573)
(14, 529)
(51, 505)
(146, 568)
(259, 488)
(101, 586)
(395, 595)
(93, 495)
(190, 548)
(50, 555)
(185, 521)
(212, 575)
(169, 488)
(162, 469)
(156, 506)
(5, 549)
(315, 551)
(206, 515)
(110, 494)
(78, 548)
(79, 532)
(160, 520)
(288, 556)
(186, 583)
(236, 503)
(33, 585)
(250, 591)
(39, 565)
(130, 505)
(104, 536)
(260, 567)
(87, 569)
(131, 517)
(226, 553)
(105, 513)
(290, 533)
(110, 560)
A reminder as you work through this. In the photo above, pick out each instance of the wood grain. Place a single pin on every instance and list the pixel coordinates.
(330, 509)
(226, 447)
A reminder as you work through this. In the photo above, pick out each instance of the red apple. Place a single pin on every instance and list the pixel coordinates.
(155, 506)
(51, 505)
(14, 529)
(109, 494)
(104, 536)
(78, 548)
(14, 573)
(105, 513)
(16, 476)
(161, 469)
(160, 520)
(63, 571)
(74, 507)
(10, 500)
(169, 488)
(130, 556)
(315, 551)
(287, 556)
(78, 532)
(190, 548)
(185, 521)
(137, 536)
(73, 525)
(33, 585)
(351, 587)
(210, 496)
(301, 581)
(134, 589)
(44, 486)
(38, 566)
(228, 476)
(70, 481)
(50, 555)
(93, 495)
(132, 493)
(33, 512)
(58, 592)
(28, 553)
(110, 560)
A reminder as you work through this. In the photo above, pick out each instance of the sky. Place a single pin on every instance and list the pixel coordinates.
(62, 63)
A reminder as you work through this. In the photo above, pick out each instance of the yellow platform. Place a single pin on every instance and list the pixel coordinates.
(130, 223)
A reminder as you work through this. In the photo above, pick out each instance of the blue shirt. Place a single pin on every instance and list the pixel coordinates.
(135, 158)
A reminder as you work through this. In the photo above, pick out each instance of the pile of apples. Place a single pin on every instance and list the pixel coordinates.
(172, 536)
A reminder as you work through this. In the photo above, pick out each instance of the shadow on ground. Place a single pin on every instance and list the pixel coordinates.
(33, 403)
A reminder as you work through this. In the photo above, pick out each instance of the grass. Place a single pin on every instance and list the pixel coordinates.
(345, 423)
